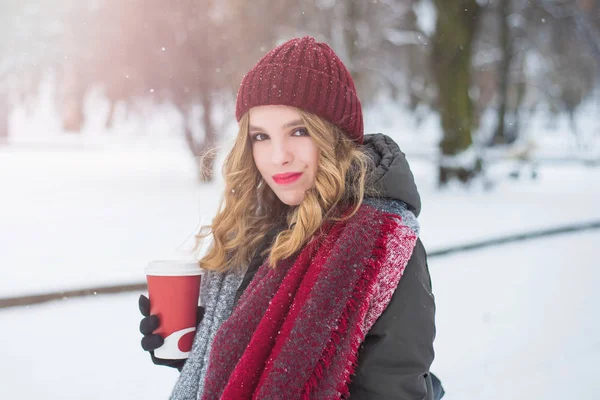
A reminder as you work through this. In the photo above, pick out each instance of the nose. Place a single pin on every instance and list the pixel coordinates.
(281, 152)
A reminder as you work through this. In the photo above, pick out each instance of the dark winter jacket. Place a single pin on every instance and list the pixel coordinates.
(394, 359)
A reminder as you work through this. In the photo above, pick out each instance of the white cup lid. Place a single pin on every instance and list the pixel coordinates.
(173, 268)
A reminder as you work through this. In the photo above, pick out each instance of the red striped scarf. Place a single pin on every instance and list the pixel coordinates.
(296, 330)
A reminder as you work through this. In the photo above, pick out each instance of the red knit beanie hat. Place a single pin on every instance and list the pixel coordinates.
(308, 75)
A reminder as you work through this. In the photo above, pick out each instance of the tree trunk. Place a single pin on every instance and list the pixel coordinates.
(452, 47)
(351, 19)
(520, 86)
(110, 119)
(72, 114)
(500, 135)
(204, 151)
(206, 162)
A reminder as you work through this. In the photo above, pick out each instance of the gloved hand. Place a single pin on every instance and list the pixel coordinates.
(152, 341)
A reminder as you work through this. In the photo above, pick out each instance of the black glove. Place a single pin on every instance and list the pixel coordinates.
(152, 341)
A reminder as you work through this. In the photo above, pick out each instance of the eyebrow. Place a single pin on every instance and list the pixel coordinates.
(297, 122)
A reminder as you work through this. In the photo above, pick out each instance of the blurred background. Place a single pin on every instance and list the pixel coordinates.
(115, 117)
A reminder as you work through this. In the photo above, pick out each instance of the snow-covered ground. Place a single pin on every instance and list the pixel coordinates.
(519, 321)
(514, 322)
(97, 215)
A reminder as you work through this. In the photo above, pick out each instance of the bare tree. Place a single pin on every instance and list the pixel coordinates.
(507, 53)
(28, 29)
(451, 60)
(567, 45)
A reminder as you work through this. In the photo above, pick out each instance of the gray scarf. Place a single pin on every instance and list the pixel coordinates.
(217, 294)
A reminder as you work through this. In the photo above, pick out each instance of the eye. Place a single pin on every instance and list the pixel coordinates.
(259, 137)
(300, 132)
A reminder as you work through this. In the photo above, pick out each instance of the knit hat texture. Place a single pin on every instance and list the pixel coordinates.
(308, 75)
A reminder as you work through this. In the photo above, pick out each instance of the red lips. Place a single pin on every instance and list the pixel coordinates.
(283, 179)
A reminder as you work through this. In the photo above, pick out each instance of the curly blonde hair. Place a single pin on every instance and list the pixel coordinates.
(249, 208)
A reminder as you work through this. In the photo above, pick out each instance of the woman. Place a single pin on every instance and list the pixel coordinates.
(317, 283)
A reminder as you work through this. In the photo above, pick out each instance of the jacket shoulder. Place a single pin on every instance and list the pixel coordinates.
(395, 357)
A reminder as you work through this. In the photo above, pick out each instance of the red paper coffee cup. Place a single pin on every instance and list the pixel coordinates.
(173, 289)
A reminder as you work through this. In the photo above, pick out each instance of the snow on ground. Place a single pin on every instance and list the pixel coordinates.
(75, 218)
(519, 321)
(513, 322)
(79, 349)
(97, 215)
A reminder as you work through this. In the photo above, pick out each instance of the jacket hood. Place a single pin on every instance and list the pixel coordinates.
(390, 176)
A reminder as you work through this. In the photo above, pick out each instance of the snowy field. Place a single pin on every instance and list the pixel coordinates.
(97, 215)
(514, 322)
(519, 321)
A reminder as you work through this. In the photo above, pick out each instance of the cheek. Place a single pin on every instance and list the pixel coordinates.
(313, 160)
(256, 156)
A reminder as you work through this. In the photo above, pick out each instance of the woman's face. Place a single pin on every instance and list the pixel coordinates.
(286, 157)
